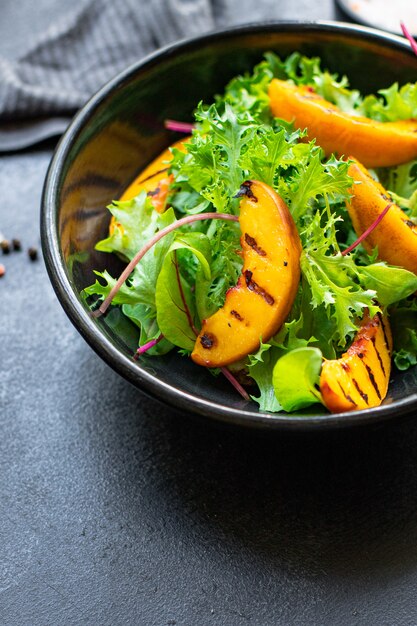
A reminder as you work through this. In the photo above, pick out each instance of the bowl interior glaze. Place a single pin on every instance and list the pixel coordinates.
(122, 128)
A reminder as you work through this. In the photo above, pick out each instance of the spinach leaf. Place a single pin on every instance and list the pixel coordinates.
(295, 378)
(390, 283)
(174, 305)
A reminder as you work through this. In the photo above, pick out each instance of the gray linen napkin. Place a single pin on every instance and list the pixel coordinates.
(41, 90)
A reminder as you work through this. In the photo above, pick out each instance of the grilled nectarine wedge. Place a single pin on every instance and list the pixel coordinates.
(375, 144)
(359, 379)
(154, 179)
(395, 235)
(258, 304)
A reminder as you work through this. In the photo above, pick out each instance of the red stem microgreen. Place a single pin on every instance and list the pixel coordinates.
(189, 219)
(235, 383)
(368, 230)
(413, 42)
(147, 346)
(179, 127)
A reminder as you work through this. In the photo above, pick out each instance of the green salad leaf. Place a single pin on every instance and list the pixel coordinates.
(137, 295)
(174, 304)
(295, 378)
(334, 280)
(135, 223)
(260, 368)
(314, 178)
(391, 284)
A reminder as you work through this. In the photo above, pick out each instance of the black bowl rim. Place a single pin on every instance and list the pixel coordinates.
(82, 320)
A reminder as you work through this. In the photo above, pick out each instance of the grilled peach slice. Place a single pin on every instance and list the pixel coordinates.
(258, 304)
(359, 379)
(375, 144)
(154, 179)
(395, 235)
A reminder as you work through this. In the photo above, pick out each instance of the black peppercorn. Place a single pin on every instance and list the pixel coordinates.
(5, 246)
(33, 254)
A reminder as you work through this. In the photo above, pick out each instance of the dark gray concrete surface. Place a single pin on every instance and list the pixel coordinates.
(115, 510)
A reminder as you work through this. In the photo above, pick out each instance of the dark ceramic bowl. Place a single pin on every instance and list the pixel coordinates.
(121, 129)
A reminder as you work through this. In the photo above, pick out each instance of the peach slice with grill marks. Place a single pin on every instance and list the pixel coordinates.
(375, 144)
(395, 236)
(259, 303)
(154, 179)
(359, 379)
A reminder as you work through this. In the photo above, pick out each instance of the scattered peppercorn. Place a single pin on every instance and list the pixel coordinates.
(17, 246)
(5, 246)
(33, 254)
(2, 270)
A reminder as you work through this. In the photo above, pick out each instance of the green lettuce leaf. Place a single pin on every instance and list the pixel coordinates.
(174, 305)
(226, 266)
(136, 222)
(334, 280)
(390, 283)
(314, 178)
(296, 378)
(149, 329)
(260, 368)
(396, 103)
(271, 151)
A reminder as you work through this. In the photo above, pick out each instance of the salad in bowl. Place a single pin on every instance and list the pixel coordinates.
(275, 242)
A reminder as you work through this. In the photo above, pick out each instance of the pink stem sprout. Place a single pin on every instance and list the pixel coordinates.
(413, 42)
(368, 230)
(189, 219)
(147, 346)
(235, 383)
(180, 127)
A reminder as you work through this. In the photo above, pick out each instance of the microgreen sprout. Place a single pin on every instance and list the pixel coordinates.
(368, 230)
(147, 346)
(179, 127)
(408, 35)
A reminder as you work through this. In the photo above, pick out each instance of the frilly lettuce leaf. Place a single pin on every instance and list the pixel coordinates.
(396, 103)
(260, 368)
(136, 222)
(314, 178)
